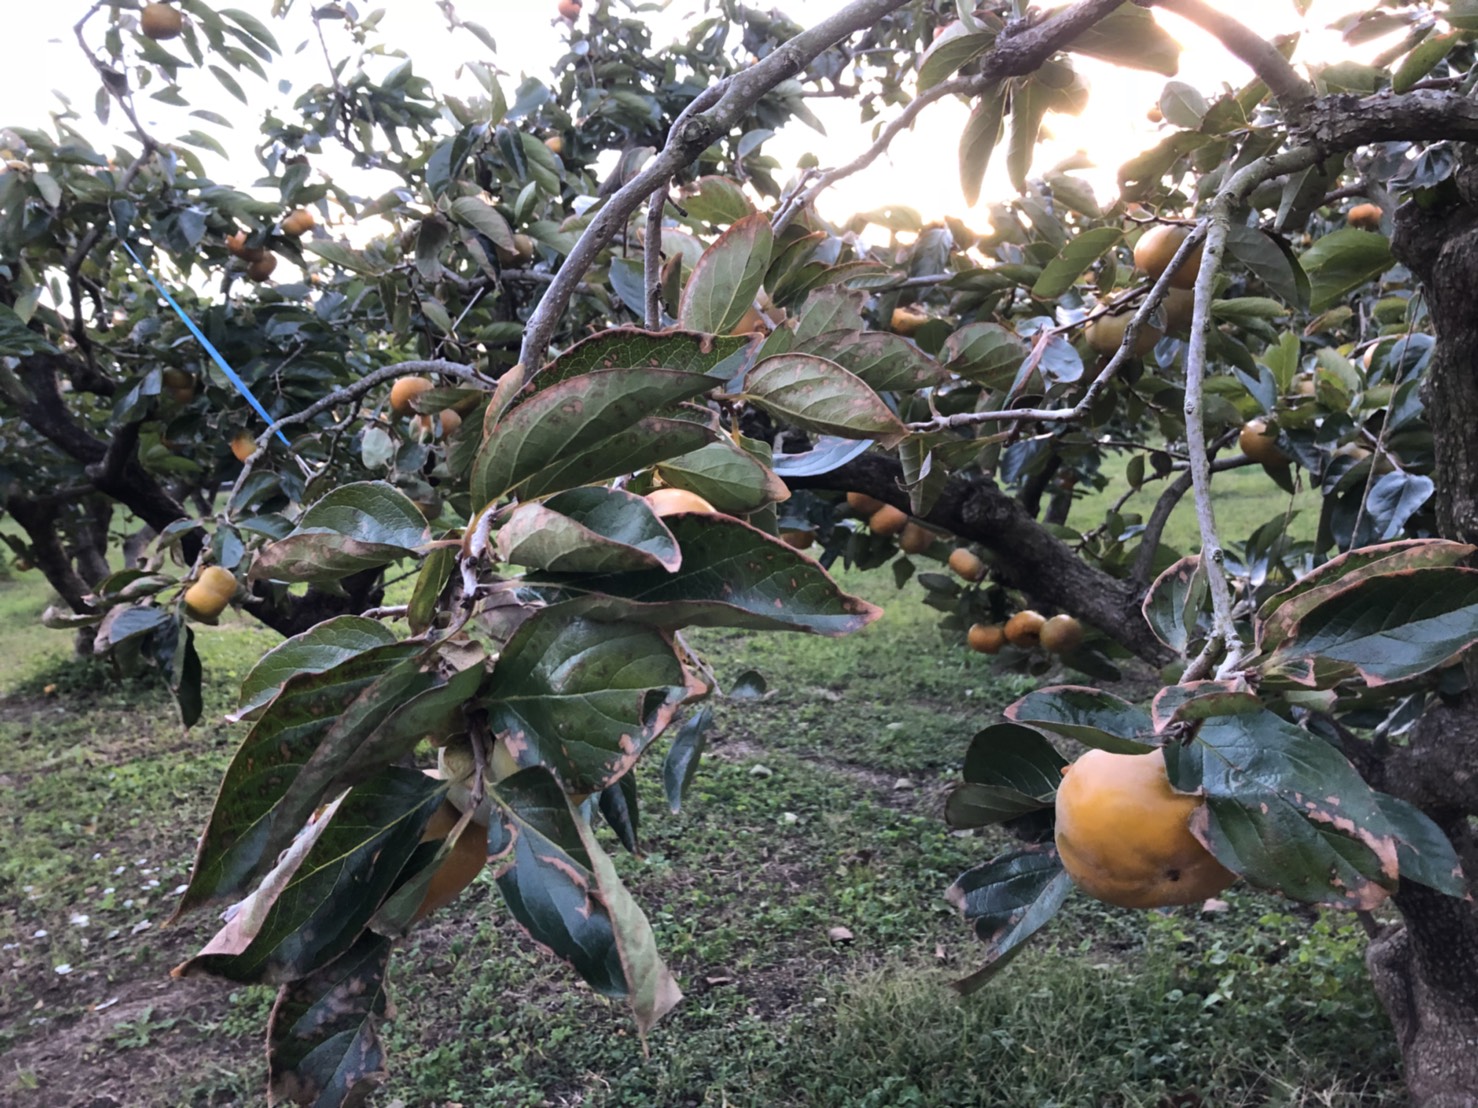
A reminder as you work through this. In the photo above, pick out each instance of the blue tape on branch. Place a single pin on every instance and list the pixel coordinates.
(205, 342)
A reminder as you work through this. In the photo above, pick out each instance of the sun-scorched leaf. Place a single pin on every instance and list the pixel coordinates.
(1286, 811)
(1007, 901)
(562, 888)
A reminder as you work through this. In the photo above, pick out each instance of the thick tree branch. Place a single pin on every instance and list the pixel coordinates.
(1029, 557)
(1261, 56)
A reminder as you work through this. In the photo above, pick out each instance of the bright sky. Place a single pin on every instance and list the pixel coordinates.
(921, 169)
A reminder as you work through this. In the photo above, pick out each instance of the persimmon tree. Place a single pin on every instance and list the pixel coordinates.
(683, 317)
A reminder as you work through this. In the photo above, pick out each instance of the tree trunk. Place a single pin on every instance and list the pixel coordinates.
(1426, 971)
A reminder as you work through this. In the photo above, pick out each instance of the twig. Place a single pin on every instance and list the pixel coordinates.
(652, 259)
(1105, 375)
(1223, 642)
(1154, 527)
(1013, 55)
(339, 396)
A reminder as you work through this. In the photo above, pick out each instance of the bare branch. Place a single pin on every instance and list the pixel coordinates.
(1223, 642)
(652, 259)
(1106, 375)
(1149, 540)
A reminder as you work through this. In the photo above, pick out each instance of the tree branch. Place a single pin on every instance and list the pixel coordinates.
(722, 105)
(1292, 91)
(1223, 642)
(1029, 557)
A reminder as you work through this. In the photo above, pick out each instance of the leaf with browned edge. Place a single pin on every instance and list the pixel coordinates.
(1425, 854)
(728, 276)
(1173, 603)
(284, 737)
(322, 1044)
(1092, 716)
(1385, 628)
(1200, 700)
(1007, 901)
(1285, 810)
(355, 860)
(732, 575)
(819, 395)
(588, 530)
(582, 697)
(562, 888)
(1281, 611)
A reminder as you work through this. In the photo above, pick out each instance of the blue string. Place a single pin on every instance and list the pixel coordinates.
(205, 342)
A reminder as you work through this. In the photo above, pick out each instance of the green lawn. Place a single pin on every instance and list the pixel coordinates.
(817, 806)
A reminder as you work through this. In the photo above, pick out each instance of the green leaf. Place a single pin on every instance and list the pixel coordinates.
(971, 805)
(582, 697)
(978, 140)
(1425, 58)
(1073, 260)
(322, 1042)
(1092, 716)
(732, 575)
(985, 353)
(1011, 756)
(562, 888)
(1130, 36)
(955, 48)
(1007, 901)
(728, 276)
(316, 650)
(681, 763)
(436, 571)
(645, 443)
(717, 200)
(1286, 811)
(1243, 309)
(319, 900)
(725, 476)
(16, 339)
(588, 530)
(567, 419)
(345, 258)
(718, 356)
(1173, 603)
(1267, 261)
(1342, 261)
(354, 527)
(884, 362)
(1386, 628)
(482, 217)
(1030, 99)
(819, 395)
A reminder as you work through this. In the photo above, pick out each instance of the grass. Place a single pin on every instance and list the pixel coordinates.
(817, 806)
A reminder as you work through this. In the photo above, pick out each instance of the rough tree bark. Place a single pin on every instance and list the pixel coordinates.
(1426, 971)
(1028, 556)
